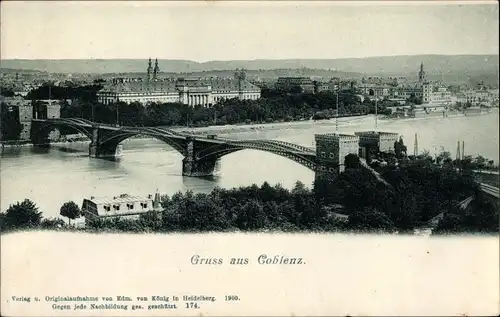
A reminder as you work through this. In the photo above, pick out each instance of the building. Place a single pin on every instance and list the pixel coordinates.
(436, 101)
(188, 91)
(440, 95)
(29, 110)
(375, 90)
(123, 206)
(477, 97)
(286, 83)
(407, 91)
(320, 86)
(435, 94)
(342, 84)
(373, 142)
(331, 150)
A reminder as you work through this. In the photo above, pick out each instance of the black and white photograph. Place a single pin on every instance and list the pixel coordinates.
(242, 158)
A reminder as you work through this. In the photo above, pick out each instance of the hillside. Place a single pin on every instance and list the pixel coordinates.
(261, 74)
(454, 65)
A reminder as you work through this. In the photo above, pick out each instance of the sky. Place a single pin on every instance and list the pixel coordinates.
(222, 30)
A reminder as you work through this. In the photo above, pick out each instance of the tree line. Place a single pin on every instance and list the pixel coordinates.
(356, 200)
(273, 106)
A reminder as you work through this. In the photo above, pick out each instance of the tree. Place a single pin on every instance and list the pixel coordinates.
(370, 219)
(6, 92)
(3, 224)
(480, 161)
(70, 210)
(415, 100)
(251, 216)
(296, 90)
(491, 163)
(400, 148)
(449, 223)
(444, 157)
(10, 125)
(52, 223)
(22, 215)
(351, 161)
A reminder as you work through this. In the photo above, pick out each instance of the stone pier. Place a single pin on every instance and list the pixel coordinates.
(111, 151)
(191, 166)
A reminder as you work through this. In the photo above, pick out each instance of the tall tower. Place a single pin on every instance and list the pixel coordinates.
(156, 70)
(331, 150)
(240, 77)
(150, 70)
(421, 73)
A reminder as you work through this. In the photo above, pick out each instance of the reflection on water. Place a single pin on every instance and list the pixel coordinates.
(52, 176)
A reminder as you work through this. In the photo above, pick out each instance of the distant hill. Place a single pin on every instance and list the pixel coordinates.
(18, 70)
(251, 73)
(452, 66)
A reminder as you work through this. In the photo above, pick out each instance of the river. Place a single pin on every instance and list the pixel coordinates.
(51, 177)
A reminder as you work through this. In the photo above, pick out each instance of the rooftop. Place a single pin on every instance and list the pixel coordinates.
(123, 198)
(374, 133)
(216, 84)
(329, 135)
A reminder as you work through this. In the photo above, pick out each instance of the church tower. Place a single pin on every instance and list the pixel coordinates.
(156, 70)
(150, 69)
(421, 73)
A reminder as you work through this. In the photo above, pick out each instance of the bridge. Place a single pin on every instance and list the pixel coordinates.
(200, 152)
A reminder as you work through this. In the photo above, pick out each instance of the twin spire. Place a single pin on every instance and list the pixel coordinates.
(421, 73)
(153, 73)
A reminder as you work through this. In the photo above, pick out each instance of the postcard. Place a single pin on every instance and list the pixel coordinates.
(225, 158)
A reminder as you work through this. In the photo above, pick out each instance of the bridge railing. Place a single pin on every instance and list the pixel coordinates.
(270, 147)
(278, 145)
(292, 145)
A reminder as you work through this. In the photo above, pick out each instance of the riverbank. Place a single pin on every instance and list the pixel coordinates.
(448, 114)
(279, 126)
(306, 124)
(30, 145)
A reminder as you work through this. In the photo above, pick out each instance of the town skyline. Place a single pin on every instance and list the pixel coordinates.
(205, 32)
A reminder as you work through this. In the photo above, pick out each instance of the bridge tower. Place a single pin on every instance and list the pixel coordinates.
(371, 143)
(53, 110)
(331, 150)
(25, 119)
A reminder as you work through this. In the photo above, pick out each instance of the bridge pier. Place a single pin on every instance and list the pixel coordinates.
(198, 168)
(105, 152)
(193, 167)
(41, 142)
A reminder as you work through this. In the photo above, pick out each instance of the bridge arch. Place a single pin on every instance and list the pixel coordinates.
(41, 130)
(112, 140)
(215, 152)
